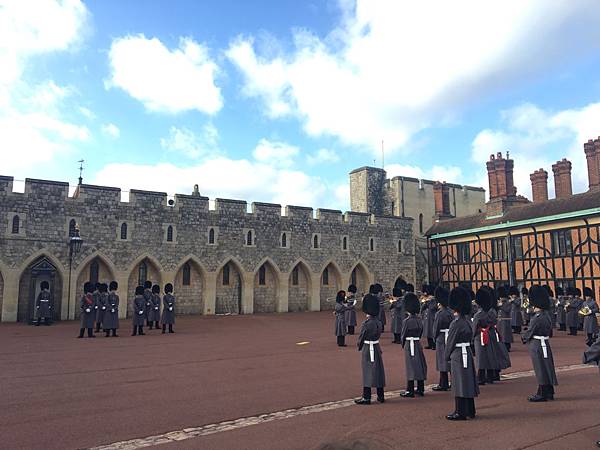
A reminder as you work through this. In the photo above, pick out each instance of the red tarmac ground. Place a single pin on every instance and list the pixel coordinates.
(59, 392)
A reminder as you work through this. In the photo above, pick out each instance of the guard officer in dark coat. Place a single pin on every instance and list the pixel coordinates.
(561, 314)
(441, 328)
(398, 313)
(139, 311)
(168, 314)
(573, 305)
(590, 323)
(428, 310)
(154, 310)
(538, 339)
(101, 303)
(516, 317)
(378, 291)
(111, 315)
(414, 358)
(487, 361)
(373, 372)
(460, 356)
(44, 304)
(340, 318)
(351, 312)
(87, 306)
(504, 318)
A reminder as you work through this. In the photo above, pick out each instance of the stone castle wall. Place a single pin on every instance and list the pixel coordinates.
(45, 211)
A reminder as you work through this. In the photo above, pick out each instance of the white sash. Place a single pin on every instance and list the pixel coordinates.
(463, 346)
(445, 331)
(543, 340)
(412, 344)
(371, 345)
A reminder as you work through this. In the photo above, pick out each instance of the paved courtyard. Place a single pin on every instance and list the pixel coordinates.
(243, 382)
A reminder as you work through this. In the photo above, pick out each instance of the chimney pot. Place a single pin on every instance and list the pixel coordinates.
(562, 178)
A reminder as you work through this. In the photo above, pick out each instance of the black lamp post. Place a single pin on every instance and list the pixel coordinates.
(75, 242)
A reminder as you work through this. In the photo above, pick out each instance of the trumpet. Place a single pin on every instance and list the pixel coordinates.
(585, 311)
(525, 303)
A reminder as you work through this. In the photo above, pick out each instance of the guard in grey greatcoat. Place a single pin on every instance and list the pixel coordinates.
(504, 318)
(398, 313)
(154, 310)
(101, 305)
(516, 318)
(88, 310)
(111, 315)
(340, 318)
(351, 312)
(561, 314)
(147, 300)
(414, 358)
(485, 352)
(592, 355)
(590, 323)
(378, 291)
(538, 339)
(44, 304)
(139, 311)
(500, 349)
(574, 304)
(428, 310)
(460, 355)
(441, 328)
(373, 372)
(168, 314)
(552, 310)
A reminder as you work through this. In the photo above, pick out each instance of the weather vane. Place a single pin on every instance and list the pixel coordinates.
(81, 161)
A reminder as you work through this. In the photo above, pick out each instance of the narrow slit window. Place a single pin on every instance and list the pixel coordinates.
(211, 236)
(16, 224)
(226, 275)
(123, 231)
(262, 275)
(169, 233)
(187, 274)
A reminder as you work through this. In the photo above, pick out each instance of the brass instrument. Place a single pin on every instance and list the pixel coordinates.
(525, 303)
(585, 311)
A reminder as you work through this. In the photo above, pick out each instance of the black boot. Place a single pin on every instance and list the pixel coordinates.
(481, 377)
(156, 325)
(91, 333)
(81, 332)
(141, 330)
(444, 385)
(539, 396)
(341, 341)
(420, 388)
(171, 328)
(490, 375)
(107, 333)
(470, 407)
(38, 322)
(430, 343)
(350, 329)
(366, 397)
(380, 395)
(410, 390)
(590, 340)
(397, 339)
(98, 328)
(114, 332)
(459, 413)
(164, 328)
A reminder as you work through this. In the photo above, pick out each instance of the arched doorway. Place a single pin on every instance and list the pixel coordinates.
(42, 269)
(189, 285)
(399, 282)
(96, 270)
(144, 270)
(265, 289)
(299, 288)
(359, 277)
(331, 283)
(229, 289)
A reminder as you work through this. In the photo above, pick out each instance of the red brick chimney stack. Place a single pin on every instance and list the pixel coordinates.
(562, 178)
(592, 154)
(500, 176)
(491, 169)
(441, 197)
(539, 185)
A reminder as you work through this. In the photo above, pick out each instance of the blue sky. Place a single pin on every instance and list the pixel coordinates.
(279, 100)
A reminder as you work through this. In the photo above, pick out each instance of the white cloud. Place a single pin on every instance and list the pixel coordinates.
(537, 138)
(165, 80)
(87, 113)
(323, 155)
(273, 153)
(111, 130)
(185, 141)
(391, 69)
(450, 174)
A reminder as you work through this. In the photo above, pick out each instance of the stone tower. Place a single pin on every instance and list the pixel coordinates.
(367, 190)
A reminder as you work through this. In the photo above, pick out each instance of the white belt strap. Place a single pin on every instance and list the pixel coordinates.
(412, 344)
(543, 340)
(445, 331)
(372, 349)
(463, 346)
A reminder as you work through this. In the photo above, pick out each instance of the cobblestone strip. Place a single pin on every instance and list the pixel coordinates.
(194, 432)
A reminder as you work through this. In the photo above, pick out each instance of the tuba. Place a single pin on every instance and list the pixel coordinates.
(585, 311)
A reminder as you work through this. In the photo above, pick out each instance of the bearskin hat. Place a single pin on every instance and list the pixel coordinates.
(411, 303)
(139, 290)
(513, 291)
(524, 291)
(88, 287)
(441, 295)
(168, 288)
(410, 288)
(114, 286)
(549, 290)
(577, 292)
(340, 296)
(459, 300)
(103, 287)
(538, 296)
(397, 292)
(587, 292)
(570, 291)
(372, 289)
(44, 285)
(484, 298)
(370, 305)
(147, 284)
(379, 288)
(501, 292)
(401, 284)
(559, 291)
(155, 289)
(352, 289)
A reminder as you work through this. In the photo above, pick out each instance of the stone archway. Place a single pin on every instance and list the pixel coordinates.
(96, 270)
(189, 287)
(265, 288)
(399, 281)
(229, 289)
(330, 284)
(359, 276)
(144, 269)
(299, 288)
(42, 269)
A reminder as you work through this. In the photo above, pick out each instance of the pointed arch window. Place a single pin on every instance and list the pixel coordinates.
(187, 274)
(421, 223)
(170, 233)
(344, 243)
(399, 246)
(94, 271)
(353, 277)
(211, 236)
(284, 240)
(316, 241)
(249, 238)
(16, 224)
(295, 276)
(326, 277)
(371, 245)
(226, 275)
(262, 275)
(142, 273)
(72, 227)
(123, 231)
